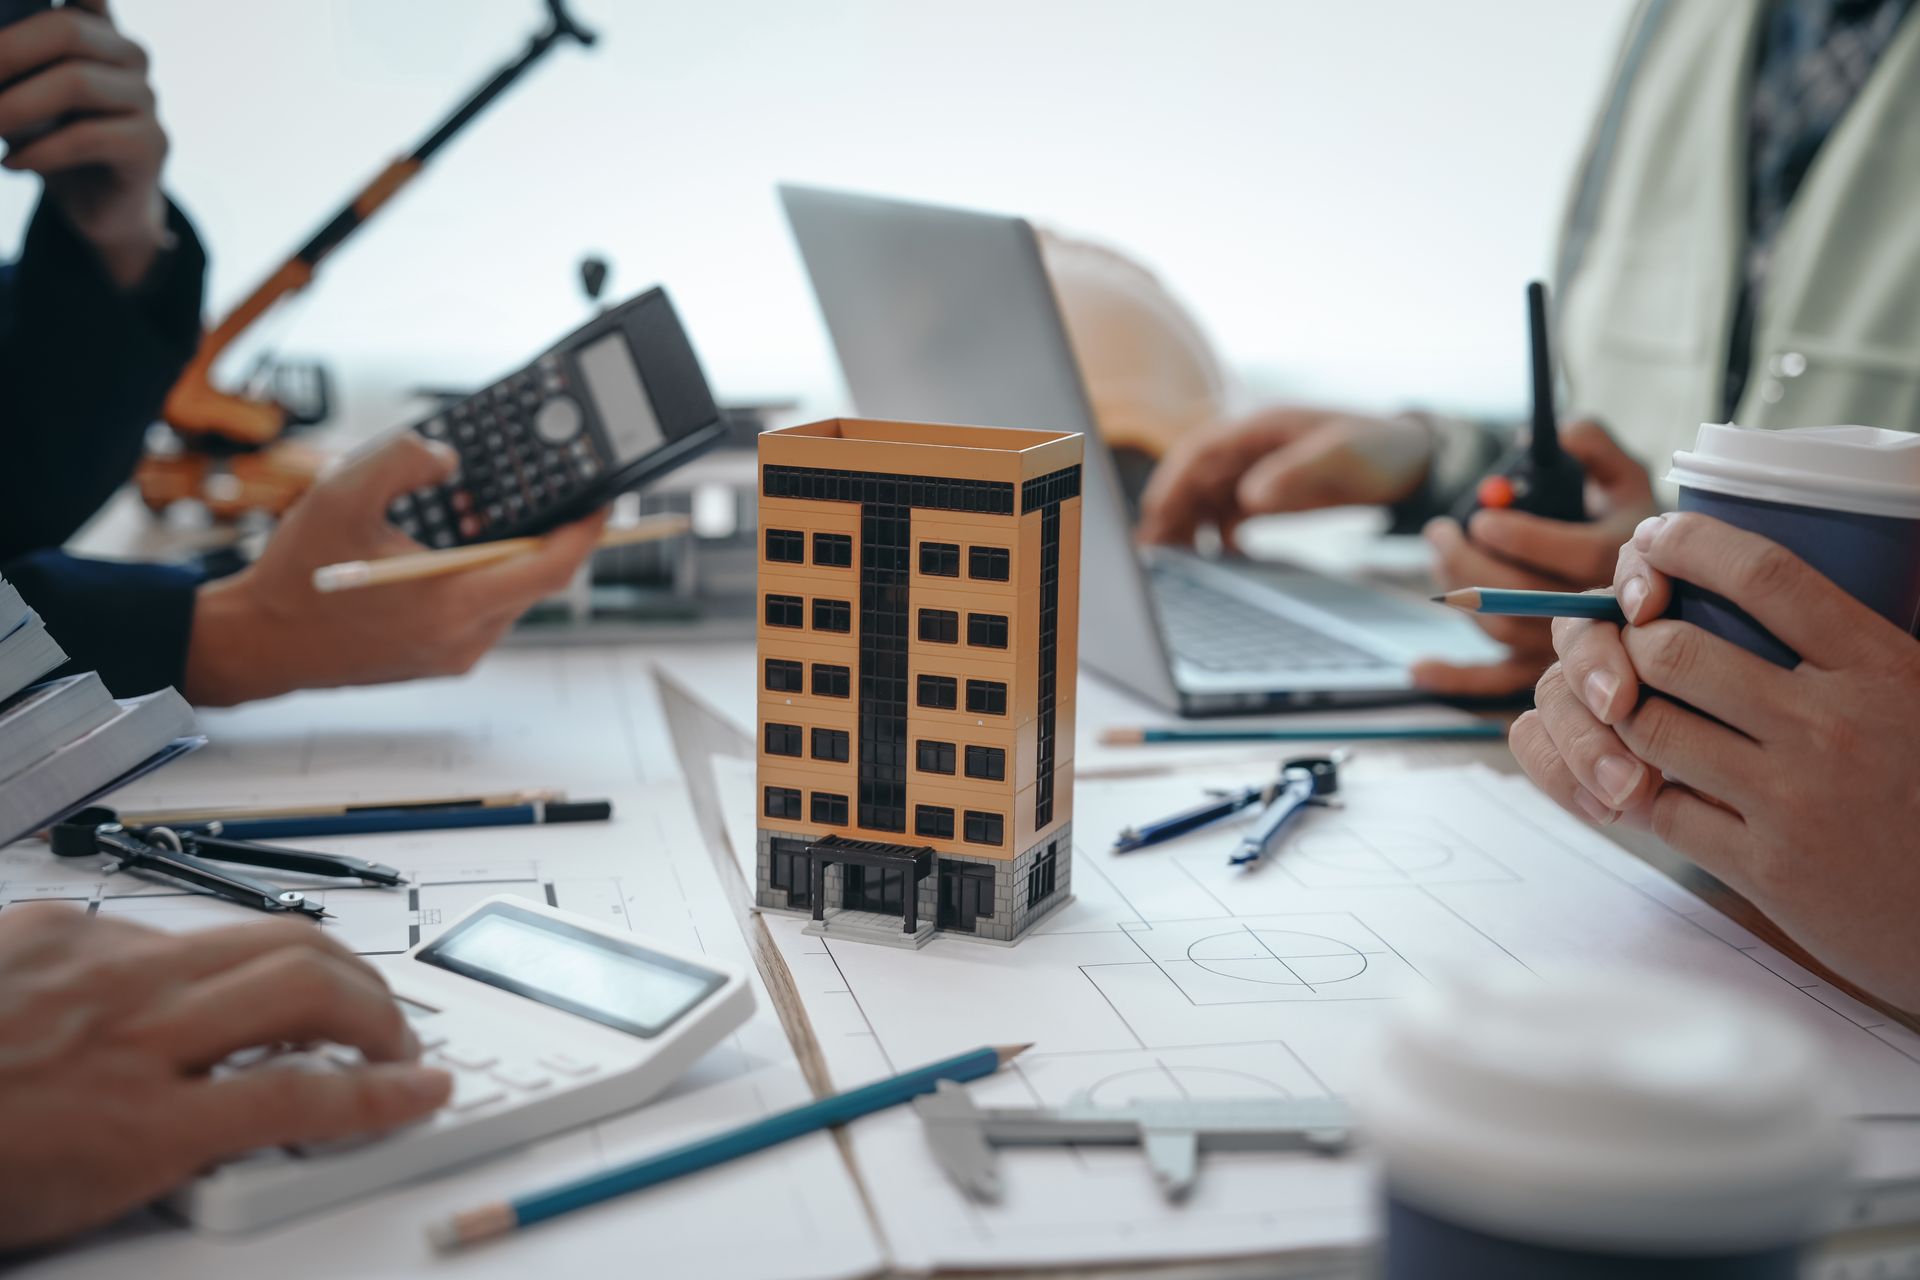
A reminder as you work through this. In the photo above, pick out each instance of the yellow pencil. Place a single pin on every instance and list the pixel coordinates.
(431, 564)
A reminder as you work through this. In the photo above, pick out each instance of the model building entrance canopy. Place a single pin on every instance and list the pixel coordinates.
(918, 642)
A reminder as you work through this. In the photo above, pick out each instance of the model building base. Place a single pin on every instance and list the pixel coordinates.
(859, 890)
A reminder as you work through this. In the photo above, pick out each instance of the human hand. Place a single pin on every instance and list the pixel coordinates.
(1795, 787)
(1284, 459)
(1515, 550)
(76, 109)
(108, 1031)
(265, 631)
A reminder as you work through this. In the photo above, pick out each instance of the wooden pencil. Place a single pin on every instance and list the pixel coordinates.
(351, 574)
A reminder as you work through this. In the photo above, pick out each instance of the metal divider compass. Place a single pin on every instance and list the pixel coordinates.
(1303, 781)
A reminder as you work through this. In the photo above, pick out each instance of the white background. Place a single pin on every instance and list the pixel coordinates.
(1349, 195)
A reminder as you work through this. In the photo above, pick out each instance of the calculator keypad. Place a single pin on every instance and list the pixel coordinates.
(523, 448)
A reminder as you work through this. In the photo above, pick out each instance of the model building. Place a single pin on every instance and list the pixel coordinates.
(918, 640)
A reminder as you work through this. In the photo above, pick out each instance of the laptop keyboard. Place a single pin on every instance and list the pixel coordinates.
(1217, 631)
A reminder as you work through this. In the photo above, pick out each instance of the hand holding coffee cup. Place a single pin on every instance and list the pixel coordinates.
(1792, 784)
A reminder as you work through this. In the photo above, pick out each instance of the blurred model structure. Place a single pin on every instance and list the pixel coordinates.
(918, 641)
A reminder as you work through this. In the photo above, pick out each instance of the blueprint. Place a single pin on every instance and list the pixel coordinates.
(648, 870)
(1173, 975)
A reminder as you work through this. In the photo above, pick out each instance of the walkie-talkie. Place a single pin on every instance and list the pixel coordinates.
(1537, 476)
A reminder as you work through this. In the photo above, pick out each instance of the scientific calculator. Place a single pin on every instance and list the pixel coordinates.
(544, 1019)
(610, 406)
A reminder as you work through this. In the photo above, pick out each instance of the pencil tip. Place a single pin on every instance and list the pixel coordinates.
(1008, 1052)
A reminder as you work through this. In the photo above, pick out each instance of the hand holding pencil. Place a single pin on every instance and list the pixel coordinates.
(413, 566)
(265, 631)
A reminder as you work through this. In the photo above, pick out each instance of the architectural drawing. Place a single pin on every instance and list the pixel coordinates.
(919, 598)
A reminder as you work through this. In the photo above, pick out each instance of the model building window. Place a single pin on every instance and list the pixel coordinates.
(784, 676)
(935, 757)
(832, 615)
(829, 809)
(786, 611)
(833, 550)
(940, 559)
(990, 564)
(940, 626)
(985, 828)
(829, 681)
(988, 630)
(986, 697)
(985, 762)
(1041, 876)
(939, 692)
(788, 546)
(931, 820)
(783, 802)
(828, 744)
(783, 739)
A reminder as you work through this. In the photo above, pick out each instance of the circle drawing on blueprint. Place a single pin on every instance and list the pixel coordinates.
(1163, 1083)
(1278, 957)
(1389, 851)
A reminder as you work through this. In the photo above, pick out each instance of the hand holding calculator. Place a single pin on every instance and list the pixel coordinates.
(614, 404)
(544, 1019)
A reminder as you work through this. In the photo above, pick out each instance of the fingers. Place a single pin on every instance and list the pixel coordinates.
(1494, 680)
(121, 142)
(1320, 469)
(281, 1108)
(371, 480)
(1644, 592)
(1580, 554)
(208, 951)
(293, 994)
(73, 87)
(1804, 609)
(1195, 483)
(1596, 666)
(508, 588)
(1533, 748)
(1690, 749)
(1618, 473)
(65, 33)
(1707, 833)
(1592, 751)
(1715, 676)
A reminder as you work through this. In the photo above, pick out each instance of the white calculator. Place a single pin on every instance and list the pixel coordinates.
(545, 1020)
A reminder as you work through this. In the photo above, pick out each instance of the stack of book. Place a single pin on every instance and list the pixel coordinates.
(65, 743)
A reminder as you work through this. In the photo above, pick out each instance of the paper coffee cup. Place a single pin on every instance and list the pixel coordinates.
(1844, 499)
(1601, 1125)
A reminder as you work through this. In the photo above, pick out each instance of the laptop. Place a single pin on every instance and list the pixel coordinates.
(946, 315)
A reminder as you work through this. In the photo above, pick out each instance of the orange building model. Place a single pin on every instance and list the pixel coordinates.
(918, 641)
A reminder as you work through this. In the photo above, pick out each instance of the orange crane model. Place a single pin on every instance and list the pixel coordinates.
(264, 473)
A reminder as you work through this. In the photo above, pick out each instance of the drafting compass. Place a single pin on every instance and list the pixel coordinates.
(190, 857)
(1303, 781)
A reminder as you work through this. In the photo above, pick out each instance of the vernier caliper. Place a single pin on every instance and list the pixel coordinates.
(1173, 1134)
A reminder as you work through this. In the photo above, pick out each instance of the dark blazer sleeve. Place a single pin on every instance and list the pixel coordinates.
(84, 367)
(129, 622)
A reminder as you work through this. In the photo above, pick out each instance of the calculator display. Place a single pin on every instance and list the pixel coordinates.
(619, 985)
(625, 409)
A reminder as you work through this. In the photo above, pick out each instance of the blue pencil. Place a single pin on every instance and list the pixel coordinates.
(506, 1216)
(1118, 736)
(1534, 604)
(361, 822)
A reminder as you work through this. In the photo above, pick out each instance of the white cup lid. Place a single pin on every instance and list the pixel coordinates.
(1862, 470)
(1627, 1111)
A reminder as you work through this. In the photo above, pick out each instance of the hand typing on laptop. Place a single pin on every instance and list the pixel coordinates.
(1291, 459)
(108, 1033)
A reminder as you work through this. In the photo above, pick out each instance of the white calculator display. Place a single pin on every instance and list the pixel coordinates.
(545, 1020)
